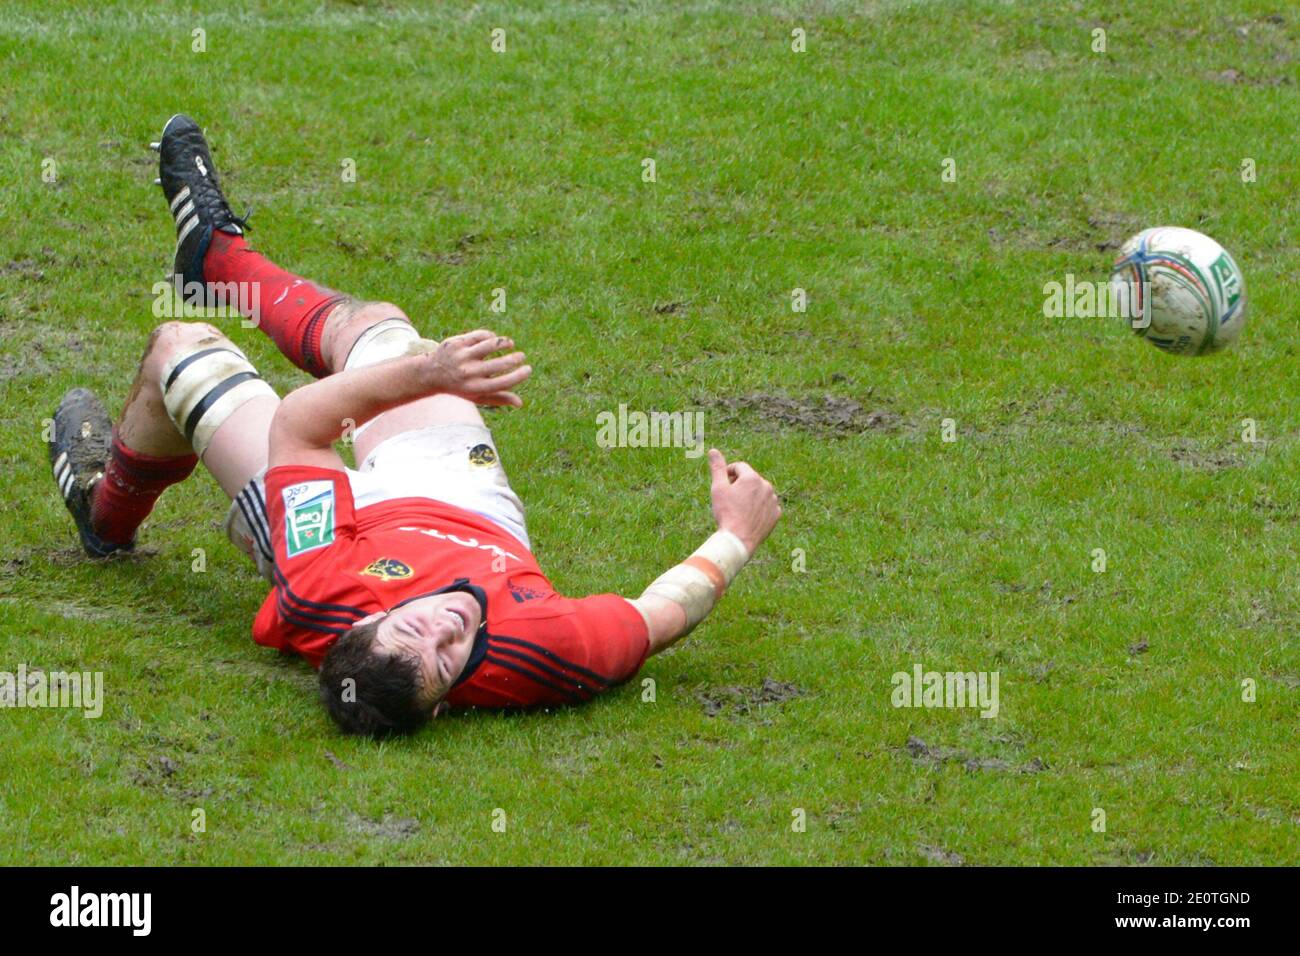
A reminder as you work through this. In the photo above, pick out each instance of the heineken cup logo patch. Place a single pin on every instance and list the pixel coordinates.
(308, 516)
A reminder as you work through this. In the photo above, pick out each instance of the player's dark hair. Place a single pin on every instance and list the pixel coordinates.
(384, 697)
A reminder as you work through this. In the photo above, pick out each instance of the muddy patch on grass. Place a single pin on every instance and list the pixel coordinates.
(460, 254)
(937, 755)
(1043, 592)
(334, 759)
(388, 827)
(1273, 814)
(76, 611)
(27, 269)
(740, 701)
(1262, 614)
(828, 414)
(1108, 230)
(13, 366)
(156, 772)
(1235, 77)
(66, 557)
(1041, 671)
(937, 854)
(286, 670)
(1273, 511)
(1128, 856)
(1099, 232)
(1204, 460)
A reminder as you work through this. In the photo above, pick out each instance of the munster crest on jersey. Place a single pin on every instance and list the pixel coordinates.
(387, 569)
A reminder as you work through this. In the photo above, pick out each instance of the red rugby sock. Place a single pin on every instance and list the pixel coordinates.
(132, 482)
(292, 309)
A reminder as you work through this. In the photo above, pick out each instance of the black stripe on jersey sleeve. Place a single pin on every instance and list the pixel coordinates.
(287, 611)
(554, 658)
(290, 618)
(314, 605)
(568, 694)
(533, 662)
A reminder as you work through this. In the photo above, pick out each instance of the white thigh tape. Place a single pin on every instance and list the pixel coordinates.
(202, 388)
(382, 341)
(389, 339)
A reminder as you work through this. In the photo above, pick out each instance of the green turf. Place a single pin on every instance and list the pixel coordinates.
(776, 170)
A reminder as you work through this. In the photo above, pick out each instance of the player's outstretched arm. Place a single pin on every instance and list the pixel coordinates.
(312, 418)
(745, 508)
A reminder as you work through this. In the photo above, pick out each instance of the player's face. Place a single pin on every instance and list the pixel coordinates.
(439, 630)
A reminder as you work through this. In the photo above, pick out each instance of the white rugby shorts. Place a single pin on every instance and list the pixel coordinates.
(454, 463)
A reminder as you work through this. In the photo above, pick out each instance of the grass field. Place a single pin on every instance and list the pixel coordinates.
(1120, 691)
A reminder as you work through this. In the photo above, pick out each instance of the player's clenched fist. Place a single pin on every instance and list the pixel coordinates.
(461, 365)
(744, 502)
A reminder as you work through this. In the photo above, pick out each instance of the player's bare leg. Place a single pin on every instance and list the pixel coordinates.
(214, 399)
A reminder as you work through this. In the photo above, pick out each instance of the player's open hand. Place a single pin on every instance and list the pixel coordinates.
(744, 502)
(464, 365)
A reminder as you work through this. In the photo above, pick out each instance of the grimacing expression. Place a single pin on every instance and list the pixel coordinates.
(437, 631)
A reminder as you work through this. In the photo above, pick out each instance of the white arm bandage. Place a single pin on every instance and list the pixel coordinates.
(697, 583)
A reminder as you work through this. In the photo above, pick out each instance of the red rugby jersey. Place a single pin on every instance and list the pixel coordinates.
(335, 565)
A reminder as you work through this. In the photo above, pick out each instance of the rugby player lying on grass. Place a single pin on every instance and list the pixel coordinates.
(409, 581)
